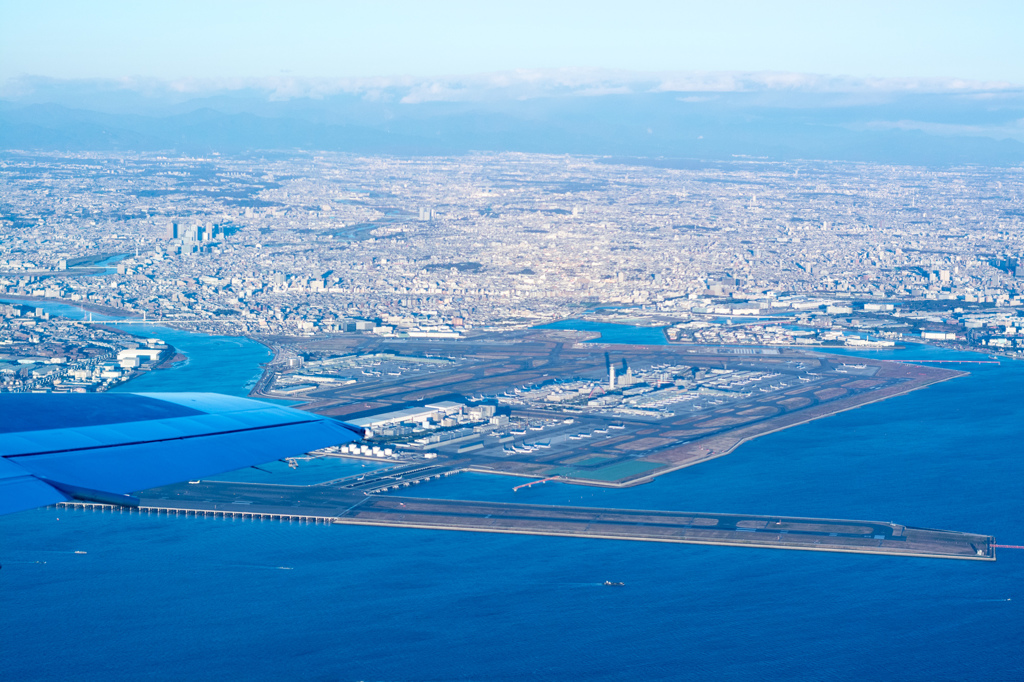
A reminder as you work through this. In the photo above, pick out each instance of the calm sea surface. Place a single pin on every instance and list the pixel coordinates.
(170, 599)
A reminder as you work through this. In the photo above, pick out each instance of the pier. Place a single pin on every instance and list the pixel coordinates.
(194, 512)
(398, 477)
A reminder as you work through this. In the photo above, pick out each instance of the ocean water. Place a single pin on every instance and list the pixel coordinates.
(206, 599)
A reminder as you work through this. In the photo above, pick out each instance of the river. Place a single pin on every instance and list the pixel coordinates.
(218, 364)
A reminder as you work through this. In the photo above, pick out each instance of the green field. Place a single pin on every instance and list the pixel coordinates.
(590, 461)
(612, 472)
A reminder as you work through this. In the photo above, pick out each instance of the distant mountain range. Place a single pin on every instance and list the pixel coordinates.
(676, 116)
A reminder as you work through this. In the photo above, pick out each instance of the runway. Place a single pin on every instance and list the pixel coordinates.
(337, 505)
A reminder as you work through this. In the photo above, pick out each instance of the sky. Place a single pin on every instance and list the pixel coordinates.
(185, 39)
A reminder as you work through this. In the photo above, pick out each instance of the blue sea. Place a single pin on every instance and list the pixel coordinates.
(159, 598)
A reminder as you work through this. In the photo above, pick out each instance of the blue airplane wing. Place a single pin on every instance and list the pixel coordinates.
(102, 446)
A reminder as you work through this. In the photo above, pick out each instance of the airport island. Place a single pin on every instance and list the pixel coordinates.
(558, 405)
(548, 403)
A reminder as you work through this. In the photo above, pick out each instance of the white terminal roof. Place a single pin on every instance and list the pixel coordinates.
(407, 414)
(446, 406)
(396, 417)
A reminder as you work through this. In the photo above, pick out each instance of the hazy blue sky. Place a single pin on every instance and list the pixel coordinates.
(184, 38)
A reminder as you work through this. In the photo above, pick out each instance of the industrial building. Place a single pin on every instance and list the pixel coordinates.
(411, 415)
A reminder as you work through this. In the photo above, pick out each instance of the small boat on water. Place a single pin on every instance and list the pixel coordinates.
(609, 583)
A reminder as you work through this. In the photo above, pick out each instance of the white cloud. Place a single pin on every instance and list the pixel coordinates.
(517, 84)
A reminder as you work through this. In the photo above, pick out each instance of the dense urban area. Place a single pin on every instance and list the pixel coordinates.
(744, 253)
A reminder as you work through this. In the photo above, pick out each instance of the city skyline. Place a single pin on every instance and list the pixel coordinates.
(825, 254)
